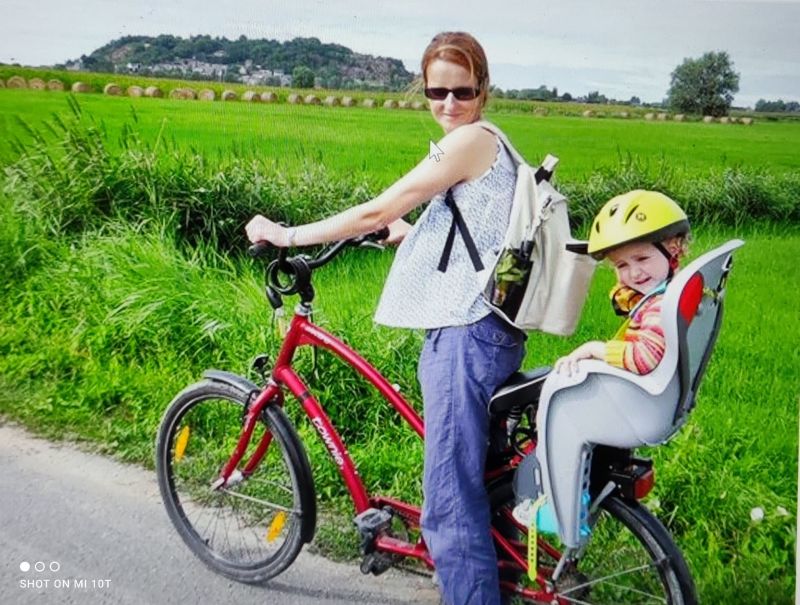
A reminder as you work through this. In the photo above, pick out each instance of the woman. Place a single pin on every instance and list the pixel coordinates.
(468, 351)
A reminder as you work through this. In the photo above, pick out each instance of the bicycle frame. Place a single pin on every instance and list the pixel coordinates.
(302, 331)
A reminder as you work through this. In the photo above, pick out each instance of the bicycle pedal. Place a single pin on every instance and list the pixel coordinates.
(375, 564)
(370, 523)
(373, 521)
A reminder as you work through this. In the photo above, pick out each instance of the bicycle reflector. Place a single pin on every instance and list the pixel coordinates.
(276, 526)
(643, 484)
(180, 444)
(690, 297)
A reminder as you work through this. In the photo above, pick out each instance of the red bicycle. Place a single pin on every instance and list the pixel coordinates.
(237, 484)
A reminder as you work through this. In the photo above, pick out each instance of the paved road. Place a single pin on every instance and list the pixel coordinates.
(100, 524)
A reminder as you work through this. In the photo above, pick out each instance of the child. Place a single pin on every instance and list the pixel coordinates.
(644, 235)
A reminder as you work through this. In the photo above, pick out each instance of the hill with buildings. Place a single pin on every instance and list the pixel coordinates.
(254, 62)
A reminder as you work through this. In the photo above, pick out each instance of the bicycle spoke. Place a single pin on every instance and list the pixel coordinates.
(271, 505)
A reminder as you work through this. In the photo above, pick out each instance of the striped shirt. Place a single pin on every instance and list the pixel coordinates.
(639, 344)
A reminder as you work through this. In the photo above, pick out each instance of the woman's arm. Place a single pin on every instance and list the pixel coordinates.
(468, 152)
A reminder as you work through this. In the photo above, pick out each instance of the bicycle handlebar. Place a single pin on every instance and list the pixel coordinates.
(299, 267)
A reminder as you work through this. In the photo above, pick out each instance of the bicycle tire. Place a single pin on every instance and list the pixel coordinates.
(627, 542)
(255, 529)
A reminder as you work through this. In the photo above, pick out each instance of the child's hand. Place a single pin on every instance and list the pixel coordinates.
(593, 349)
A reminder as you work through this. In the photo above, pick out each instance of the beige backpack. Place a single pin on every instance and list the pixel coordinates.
(536, 283)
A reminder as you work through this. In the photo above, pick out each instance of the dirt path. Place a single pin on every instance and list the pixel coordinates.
(100, 531)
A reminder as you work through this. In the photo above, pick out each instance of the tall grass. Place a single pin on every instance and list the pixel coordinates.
(81, 182)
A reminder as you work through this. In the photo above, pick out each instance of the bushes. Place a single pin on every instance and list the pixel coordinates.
(732, 197)
(79, 185)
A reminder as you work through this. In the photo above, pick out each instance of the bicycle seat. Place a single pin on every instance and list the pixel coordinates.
(521, 388)
(601, 404)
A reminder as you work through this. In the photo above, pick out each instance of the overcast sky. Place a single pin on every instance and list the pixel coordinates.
(620, 48)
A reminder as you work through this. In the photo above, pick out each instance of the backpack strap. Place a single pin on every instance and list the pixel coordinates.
(543, 173)
(459, 224)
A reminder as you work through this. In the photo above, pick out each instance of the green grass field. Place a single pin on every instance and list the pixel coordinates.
(101, 324)
(383, 144)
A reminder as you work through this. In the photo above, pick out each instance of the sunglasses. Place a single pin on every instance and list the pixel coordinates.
(462, 93)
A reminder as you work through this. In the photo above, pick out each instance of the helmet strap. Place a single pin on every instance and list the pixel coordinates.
(672, 259)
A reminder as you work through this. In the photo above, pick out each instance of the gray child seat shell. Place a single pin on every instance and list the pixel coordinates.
(601, 404)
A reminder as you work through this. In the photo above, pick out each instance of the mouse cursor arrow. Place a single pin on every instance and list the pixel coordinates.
(434, 152)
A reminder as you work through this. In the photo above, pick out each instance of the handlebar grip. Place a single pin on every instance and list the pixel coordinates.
(258, 249)
(377, 236)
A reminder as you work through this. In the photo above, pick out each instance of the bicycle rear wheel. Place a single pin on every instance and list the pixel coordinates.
(249, 531)
(629, 558)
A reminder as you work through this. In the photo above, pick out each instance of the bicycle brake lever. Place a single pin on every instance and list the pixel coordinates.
(370, 244)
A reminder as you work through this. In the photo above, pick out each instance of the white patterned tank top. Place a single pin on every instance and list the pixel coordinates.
(416, 293)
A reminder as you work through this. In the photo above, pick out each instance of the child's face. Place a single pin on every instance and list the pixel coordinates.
(639, 266)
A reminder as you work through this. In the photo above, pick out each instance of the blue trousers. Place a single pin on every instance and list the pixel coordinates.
(459, 369)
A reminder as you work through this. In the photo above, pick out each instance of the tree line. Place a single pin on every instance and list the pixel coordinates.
(705, 85)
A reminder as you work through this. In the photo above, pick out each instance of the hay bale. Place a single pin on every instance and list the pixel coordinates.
(623, 114)
(183, 94)
(207, 95)
(679, 117)
(229, 95)
(418, 105)
(404, 104)
(37, 84)
(2, 83)
(390, 104)
(16, 82)
(747, 121)
(541, 111)
(312, 100)
(348, 102)
(294, 99)
(112, 89)
(55, 84)
(588, 113)
(251, 96)
(708, 119)
(268, 97)
(369, 103)
(649, 116)
(154, 92)
(734, 119)
(81, 87)
(724, 120)
(662, 116)
(134, 91)
(331, 101)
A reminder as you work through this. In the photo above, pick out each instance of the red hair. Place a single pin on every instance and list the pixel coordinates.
(462, 49)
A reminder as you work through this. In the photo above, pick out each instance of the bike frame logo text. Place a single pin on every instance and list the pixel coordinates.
(328, 440)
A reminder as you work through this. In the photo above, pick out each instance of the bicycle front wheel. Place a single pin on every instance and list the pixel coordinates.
(254, 528)
(629, 558)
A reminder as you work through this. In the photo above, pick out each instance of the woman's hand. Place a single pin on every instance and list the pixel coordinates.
(397, 231)
(261, 229)
(594, 349)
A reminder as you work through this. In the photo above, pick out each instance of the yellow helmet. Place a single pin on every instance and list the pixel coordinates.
(636, 216)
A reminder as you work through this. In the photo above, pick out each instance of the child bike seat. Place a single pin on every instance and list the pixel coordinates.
(521, 388)
(601, 404)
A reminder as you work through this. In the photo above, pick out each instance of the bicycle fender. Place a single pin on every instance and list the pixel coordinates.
(238, 382)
